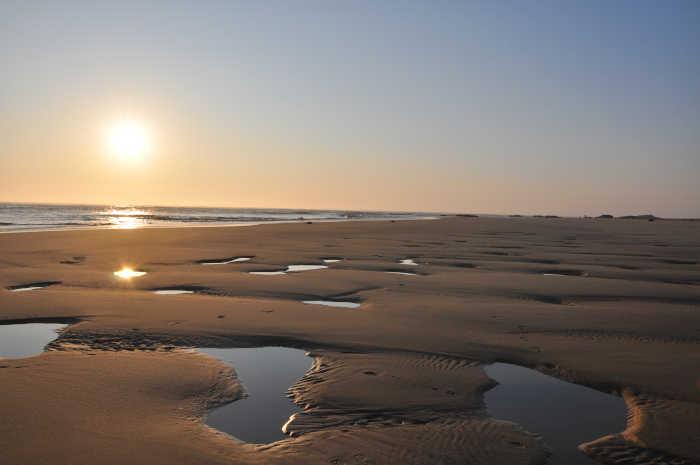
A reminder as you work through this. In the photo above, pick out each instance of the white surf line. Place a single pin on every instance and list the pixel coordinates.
(233, 260)
(408, 261)
(332, 303)
(173, 291)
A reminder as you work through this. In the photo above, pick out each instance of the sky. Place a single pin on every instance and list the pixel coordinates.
(554, 107)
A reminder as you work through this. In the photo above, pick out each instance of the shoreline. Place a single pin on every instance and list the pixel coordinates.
(222, 225)
(308, 221)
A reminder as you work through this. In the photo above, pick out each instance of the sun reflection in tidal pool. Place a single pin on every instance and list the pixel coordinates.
(128, 273)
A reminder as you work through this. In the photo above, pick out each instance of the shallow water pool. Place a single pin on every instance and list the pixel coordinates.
(564, 414)
(266, 373)
(333, 303)
(226, 261)
(26, 340)
(299, 268)
(290, 269)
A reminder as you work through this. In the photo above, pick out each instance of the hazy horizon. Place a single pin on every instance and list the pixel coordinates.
(565, 108)
(301, 208)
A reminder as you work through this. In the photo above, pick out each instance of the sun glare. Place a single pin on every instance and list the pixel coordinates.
(128, 139)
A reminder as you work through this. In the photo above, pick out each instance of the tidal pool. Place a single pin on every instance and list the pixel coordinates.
(25, 340)
(333, 303)
(266, 373)
(31, 286)
(297, 268)
(226, 261)
(408, 261)
(564, 414)
(290, 269)
(28, 288)
(173, 291)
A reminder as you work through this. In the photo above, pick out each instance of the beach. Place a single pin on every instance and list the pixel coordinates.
(610, 304)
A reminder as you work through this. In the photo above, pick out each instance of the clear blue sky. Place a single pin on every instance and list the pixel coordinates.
(526, 106)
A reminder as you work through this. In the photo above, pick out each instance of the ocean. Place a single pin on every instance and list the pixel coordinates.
(27, 217)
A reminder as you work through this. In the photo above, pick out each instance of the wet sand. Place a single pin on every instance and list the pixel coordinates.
(610, 304)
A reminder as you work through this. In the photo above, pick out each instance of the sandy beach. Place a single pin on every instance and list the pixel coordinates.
(608, 304)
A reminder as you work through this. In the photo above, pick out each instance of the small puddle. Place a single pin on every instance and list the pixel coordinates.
(226, 261)
(290, 269)
(266, 374)
(27, 288)
(27, 339)
(405, 273)
(32, 286)
(564, 414)
(333, 303)
(332, 260)
(564, 273)
(173, 291)
(408, 261)
(297, 268)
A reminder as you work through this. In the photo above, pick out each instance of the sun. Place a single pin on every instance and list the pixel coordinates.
(128, 139)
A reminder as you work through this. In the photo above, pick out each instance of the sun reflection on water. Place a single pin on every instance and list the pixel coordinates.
(126, 212)
(126, 218)
(126, 222)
